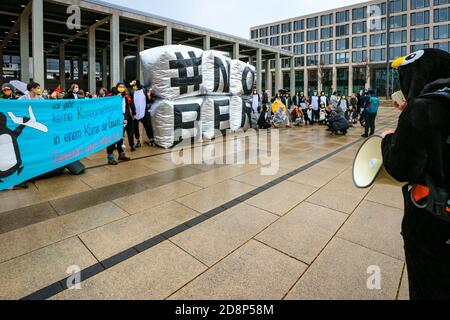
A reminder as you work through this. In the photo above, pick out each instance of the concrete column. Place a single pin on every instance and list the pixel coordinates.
(319, 80)
(105, 68)
(45, 70)
(80, 72)
(122, 63)
(24, 48)
(92, 60)
(368, 77)
(207, 43)
(306, 82)
(293, 76)
(236, 49)
(38, 41)
(114, 66)
(140, 48)
(350, 80)
(168, 35)
(278, 74)
(334, 78)
(1, 64)
(62, 66)
(259, 70)
(268, 87)
(72, 70)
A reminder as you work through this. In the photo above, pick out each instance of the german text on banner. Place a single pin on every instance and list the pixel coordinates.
(39, 136)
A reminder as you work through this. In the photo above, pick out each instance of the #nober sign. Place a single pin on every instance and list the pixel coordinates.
(200, 93)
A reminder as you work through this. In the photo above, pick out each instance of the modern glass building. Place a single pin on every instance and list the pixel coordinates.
(347, 49)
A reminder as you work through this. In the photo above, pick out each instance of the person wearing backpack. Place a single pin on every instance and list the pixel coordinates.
(418, 153)
(370, 114)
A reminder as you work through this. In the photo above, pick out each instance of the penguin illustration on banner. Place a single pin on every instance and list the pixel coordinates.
(10, 158)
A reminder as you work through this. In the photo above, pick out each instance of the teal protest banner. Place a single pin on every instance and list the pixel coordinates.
(39, 136)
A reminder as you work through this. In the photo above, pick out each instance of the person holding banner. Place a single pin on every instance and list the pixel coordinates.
(33, 92)
(7, 92)
(129, 112)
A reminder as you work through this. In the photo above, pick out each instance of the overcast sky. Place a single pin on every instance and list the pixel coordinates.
(232, 16)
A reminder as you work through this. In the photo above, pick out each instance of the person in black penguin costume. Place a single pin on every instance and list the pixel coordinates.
(10, 148)
(418, 153)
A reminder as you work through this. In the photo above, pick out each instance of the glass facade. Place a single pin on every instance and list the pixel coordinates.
(342, 80)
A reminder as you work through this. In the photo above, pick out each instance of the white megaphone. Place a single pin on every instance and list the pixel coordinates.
(368, 165)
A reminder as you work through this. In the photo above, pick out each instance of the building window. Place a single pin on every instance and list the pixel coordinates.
(398, 6)
(312, 22)
(398, 21)
(312, 35)
(287, 48)
(359, 13)
(441, 2)
(254, 34)
(286, 39)
(359, 56)
(441, 15)
(418, 47)
(264, 32)
(376, 10)
(299, 49)
(378, 39)
(359, 27)
(417, 4)
(326, 20)
(326, 46)
(311, 60)
(285, 63)
(420, 18)
(299, 25)
(274, 30)
(286, 27)
(299, 62)
(326, 33)
(264, 41)
(299, 37)
(311, 47)
(397, 52)
(441, 32)
(342, 44)
(342, 16)
(420, 34)
(341, 57)
(359, 42)
(275, 41)
(398, 37)
(342, 30)
(443, 46)
(377, 24)
(326, 59)
(378, 54)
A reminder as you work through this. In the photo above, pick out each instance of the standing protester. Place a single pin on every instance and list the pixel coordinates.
(73, 92)
(265, 98)
(304, 106)
(418, 152)
(119, 145)
(129, 112)
(315, 104)
(141, 102)
(371, 115)
(354, 102)
(334, 100)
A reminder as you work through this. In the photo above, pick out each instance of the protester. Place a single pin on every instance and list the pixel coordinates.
(33, 92)
(7, 92)
(337, 124)
(141, 102)
(351, 115)
(315, 105)
(73, 92)
(264, 118)
(370, 113)
(129, 112)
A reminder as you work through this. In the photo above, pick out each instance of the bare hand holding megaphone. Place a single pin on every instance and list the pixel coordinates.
(368, 166)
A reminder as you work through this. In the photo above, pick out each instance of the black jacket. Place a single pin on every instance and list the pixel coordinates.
(420, 146)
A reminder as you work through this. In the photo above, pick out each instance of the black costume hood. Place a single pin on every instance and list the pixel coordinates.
(420, 69)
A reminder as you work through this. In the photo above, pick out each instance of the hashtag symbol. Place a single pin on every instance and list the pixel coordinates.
(181, 64)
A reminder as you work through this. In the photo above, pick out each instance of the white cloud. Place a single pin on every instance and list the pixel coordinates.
(232, 16)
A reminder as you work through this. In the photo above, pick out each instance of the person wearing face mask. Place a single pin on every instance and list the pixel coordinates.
(304, 106)
(7, 92)
(418, 153)
(73, 92)
(141, 101)
(33, 92)
(102, 93)
(129, 112)
(315, 105)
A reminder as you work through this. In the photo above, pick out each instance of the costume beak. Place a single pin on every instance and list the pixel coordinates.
(397, 63)
(133, 83)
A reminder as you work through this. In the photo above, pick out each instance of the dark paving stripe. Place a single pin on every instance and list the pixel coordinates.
(56, 288)
(23, 217)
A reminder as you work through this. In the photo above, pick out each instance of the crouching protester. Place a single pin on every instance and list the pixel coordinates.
(418, 153)
(337, 124)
